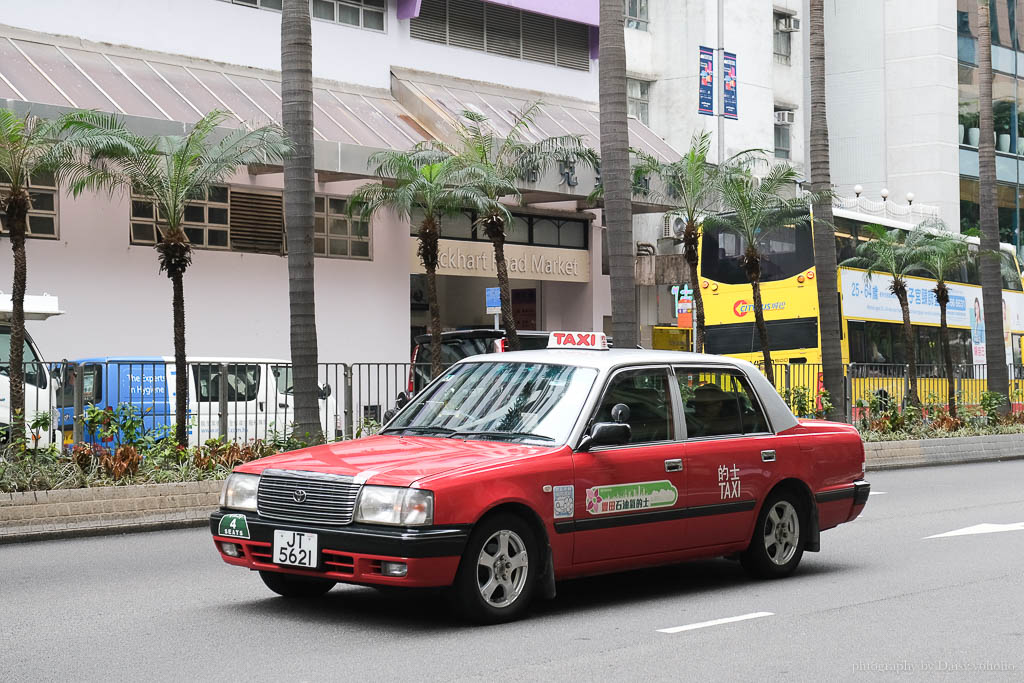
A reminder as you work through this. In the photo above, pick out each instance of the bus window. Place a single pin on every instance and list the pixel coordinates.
(785, 253)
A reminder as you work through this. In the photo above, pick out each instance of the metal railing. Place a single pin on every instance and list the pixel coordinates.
(234, 401)
(242, 401)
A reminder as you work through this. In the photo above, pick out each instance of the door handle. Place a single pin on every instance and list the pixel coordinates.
(767, 456)
(675, 465)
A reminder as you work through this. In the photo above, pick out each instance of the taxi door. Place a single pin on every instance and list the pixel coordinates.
(629, 499)
(729, 448)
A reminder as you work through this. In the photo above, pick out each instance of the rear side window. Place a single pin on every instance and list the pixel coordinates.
(719, 403)
(645, 391)
(243, 382)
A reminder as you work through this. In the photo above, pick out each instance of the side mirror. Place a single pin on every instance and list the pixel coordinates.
(325, 391)
(401, 400)
(606, 434)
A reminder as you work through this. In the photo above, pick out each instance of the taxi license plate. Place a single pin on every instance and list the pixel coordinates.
(295, 548)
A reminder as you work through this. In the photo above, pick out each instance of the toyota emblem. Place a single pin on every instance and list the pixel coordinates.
(299, 495)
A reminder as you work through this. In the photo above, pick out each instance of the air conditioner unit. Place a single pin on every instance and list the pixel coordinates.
(785, 118)
(787, 24)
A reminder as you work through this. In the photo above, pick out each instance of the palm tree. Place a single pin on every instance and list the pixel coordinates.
(991, 283)
(169, 171)
(417, 180)
(615, 173)
(297, 116)
(755, 211)
(944, 254)
(898, 253)
(692, 186)
(498, 162)
(821, 222)
(27, 146)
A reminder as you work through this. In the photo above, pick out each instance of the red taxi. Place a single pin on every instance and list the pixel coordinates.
(511, 471)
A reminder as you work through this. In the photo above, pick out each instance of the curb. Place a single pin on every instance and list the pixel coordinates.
(113, 530)
(883, 466)
(182, 512)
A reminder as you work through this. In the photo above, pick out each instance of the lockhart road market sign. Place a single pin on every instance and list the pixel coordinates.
(524, 262)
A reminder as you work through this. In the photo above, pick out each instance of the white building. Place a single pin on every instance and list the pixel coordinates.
(388, 74)
(664, 39)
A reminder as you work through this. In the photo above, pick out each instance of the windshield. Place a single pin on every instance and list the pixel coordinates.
(785, 252)
(532, 402)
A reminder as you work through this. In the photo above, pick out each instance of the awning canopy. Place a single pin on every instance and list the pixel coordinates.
(163, 94)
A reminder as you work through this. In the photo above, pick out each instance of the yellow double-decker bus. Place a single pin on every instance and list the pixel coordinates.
(872, 337)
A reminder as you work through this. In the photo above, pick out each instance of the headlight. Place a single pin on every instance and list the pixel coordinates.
(239, 492)
(393, 505)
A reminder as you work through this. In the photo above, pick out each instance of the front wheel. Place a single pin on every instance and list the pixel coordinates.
(292, 586)
(778, 542)
(498, 572)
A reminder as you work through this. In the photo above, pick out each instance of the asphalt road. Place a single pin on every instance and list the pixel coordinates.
(880, 601)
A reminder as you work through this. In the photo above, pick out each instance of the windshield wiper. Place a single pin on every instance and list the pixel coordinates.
(447, 431)
(498, 434)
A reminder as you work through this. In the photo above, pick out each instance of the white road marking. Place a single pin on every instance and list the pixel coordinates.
(715, 622)
(878, 493)
(981, 529)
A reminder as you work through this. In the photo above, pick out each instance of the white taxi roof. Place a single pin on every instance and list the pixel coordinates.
(779, 414)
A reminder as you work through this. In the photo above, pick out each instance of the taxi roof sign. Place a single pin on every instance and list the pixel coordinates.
(597, 341)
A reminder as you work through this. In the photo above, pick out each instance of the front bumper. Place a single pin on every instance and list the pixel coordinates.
(354, 553)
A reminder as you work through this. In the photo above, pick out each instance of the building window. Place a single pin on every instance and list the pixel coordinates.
(368, 14)
(783, 39)
(264, 4)
(782, 143)
(638, 94)
(335, 234)
(206, 220)
(504, 31)
(636, 14)
(42, 217)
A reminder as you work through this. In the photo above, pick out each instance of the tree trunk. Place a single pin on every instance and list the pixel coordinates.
(691, 235)
(181, 382)
(908, 342)
(991, 276)
(824, 237)
(762, 331)
(297, 116)
(17, 216)
(494, 228)
(615, 174)
(428, 256)
(942, 296)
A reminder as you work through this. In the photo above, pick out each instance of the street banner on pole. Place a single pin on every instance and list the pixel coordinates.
(729, 108)
(706, 90)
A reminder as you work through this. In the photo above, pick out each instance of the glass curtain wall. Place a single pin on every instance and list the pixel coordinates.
(1007, 20)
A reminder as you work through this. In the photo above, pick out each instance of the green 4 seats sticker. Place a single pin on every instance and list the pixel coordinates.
(233, 526)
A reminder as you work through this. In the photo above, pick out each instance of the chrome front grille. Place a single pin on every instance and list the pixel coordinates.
(309, 497)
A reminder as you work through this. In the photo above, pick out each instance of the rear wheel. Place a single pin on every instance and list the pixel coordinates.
(498, 572)
(292, 586)
(778, 542)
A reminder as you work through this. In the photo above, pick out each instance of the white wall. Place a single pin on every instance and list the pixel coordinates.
(667, 54)
(116, 301)
(220, 31)
(891, 86)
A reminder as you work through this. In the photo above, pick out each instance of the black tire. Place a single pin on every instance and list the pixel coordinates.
(467, 593)
(292, 586)
(776, 546)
